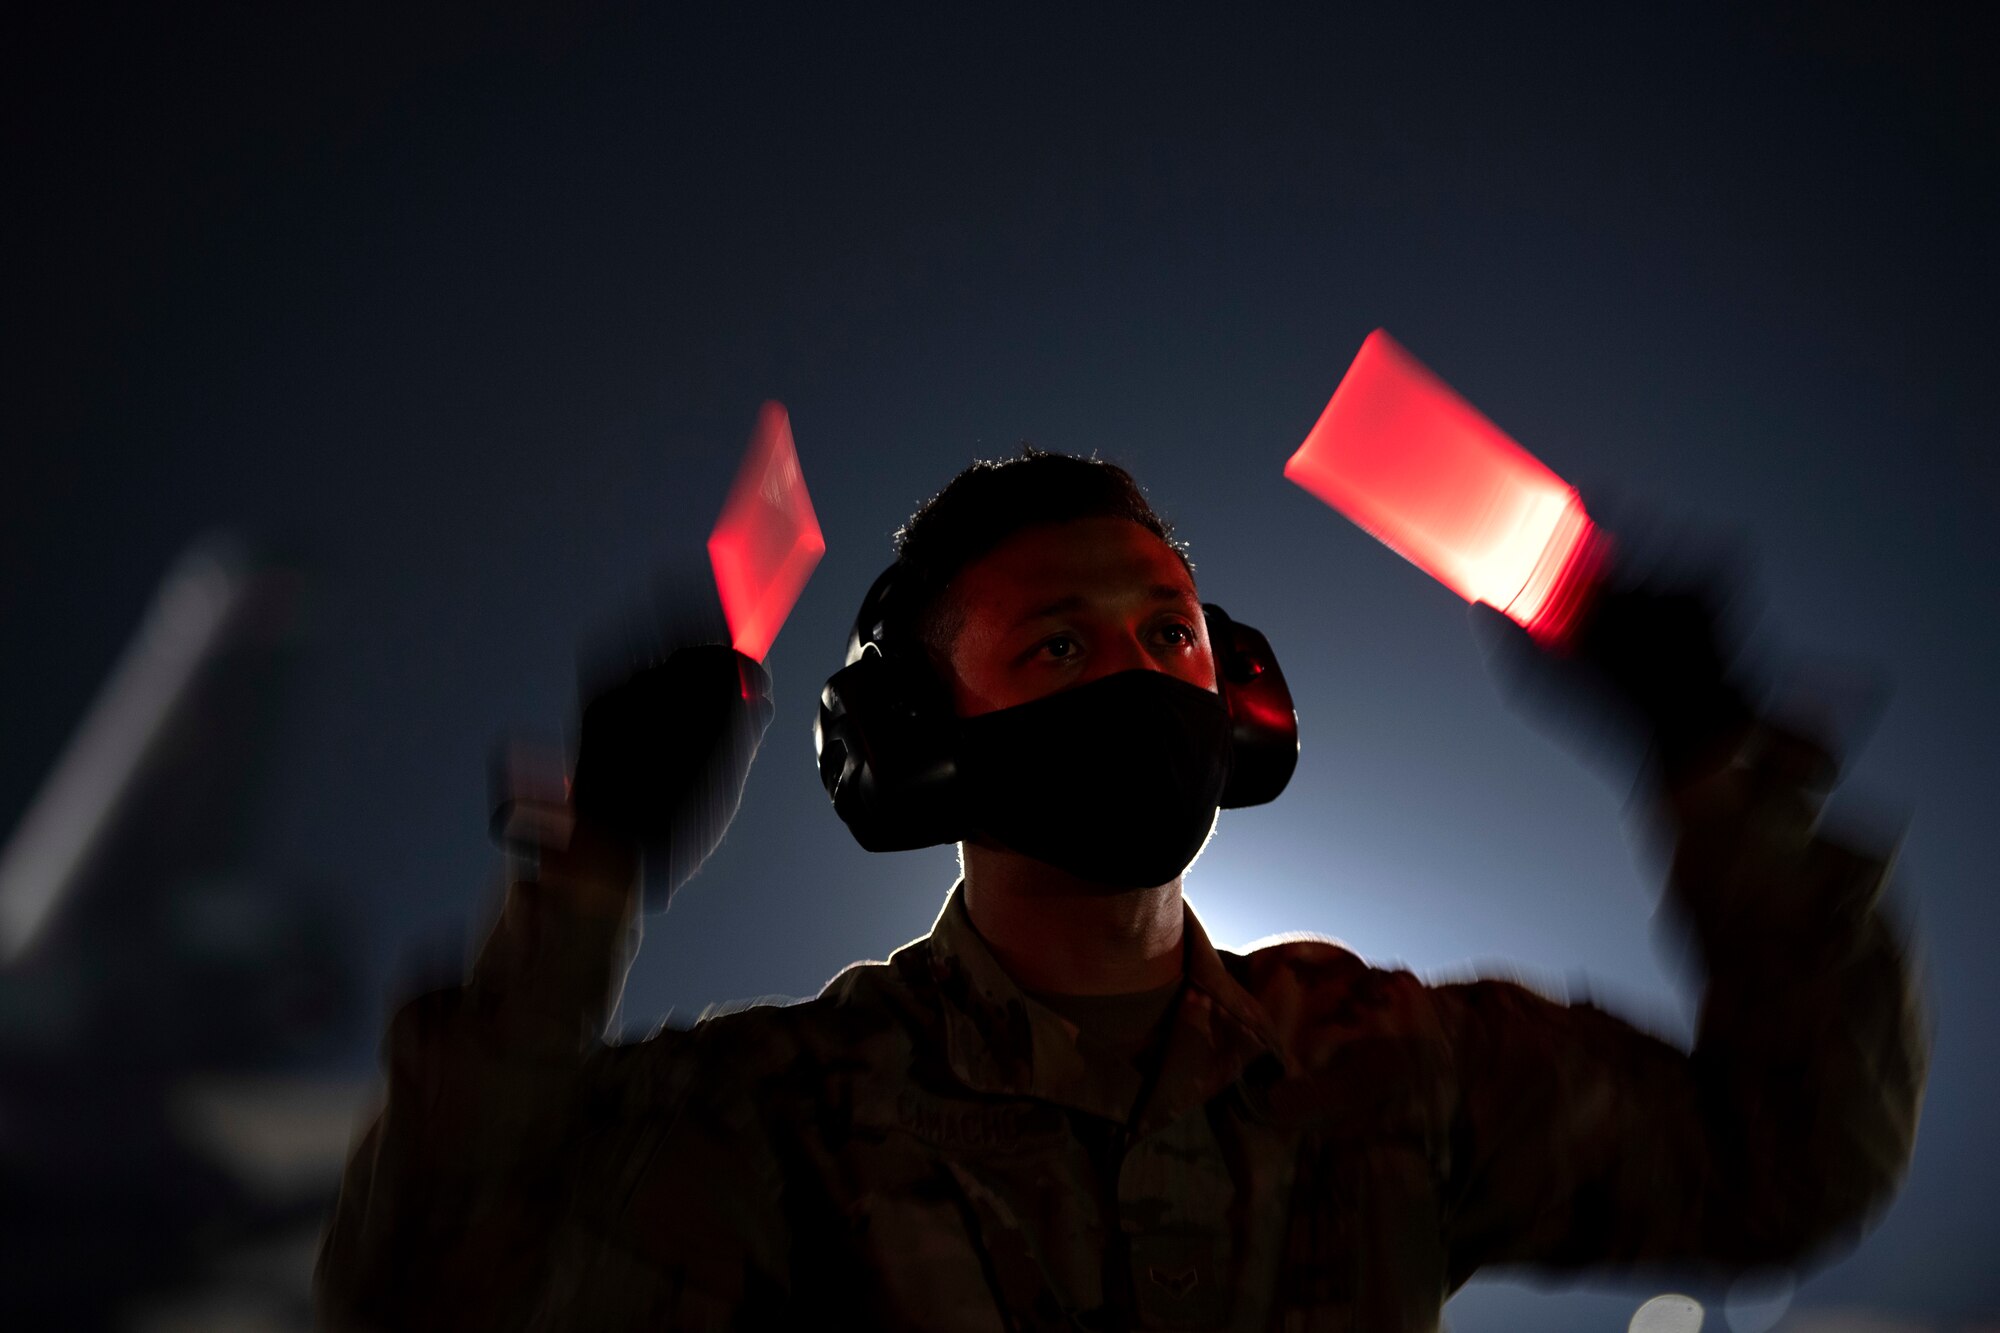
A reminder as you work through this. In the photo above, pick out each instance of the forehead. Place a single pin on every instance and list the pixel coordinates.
(1104, 557)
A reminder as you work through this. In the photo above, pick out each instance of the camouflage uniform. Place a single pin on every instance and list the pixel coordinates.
(1324, 1145)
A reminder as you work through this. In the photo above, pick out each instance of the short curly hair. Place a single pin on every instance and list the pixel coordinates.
(991, 501)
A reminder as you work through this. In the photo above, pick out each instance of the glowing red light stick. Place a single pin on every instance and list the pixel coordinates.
(767, 540)
(1422, 470)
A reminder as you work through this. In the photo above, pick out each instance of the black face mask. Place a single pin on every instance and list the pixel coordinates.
(1117, 781)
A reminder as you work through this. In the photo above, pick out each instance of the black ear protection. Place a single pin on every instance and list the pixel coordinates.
(885, 725)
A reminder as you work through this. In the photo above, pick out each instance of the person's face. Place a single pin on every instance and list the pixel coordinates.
(1059, 606)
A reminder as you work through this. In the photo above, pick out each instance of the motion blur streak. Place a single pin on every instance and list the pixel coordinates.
(1757, 1301)
(768, 540)
(1418, 467)
(187, 619)
(176, 1008)
(1868, 1321)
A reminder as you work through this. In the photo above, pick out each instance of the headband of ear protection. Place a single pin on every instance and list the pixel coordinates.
(884, 734)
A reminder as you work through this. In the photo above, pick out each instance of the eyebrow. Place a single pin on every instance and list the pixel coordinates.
(1159, 592)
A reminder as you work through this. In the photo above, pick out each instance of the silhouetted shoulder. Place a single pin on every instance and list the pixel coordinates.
(863, 1022)
(1322, 998)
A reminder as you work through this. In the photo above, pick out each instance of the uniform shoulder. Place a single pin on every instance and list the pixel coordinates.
(1315, 989)
(1307, 961)
(863, 1014)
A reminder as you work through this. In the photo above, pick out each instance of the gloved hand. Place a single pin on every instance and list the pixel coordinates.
(1661, 651)
(1647, 667)
(664, 754)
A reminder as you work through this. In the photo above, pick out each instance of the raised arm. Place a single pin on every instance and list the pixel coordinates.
(505, 1110)
(1578, 1140)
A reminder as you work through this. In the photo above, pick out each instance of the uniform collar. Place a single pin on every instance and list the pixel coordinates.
(1000, 1040)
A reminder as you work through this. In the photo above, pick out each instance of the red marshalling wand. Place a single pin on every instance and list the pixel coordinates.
(1425, 472)
(767, 540)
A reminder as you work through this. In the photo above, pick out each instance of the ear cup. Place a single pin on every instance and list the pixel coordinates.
(883, 736)
(1264, 727)
(885, 756)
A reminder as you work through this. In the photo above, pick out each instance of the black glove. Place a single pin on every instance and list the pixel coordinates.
(1660, 650)
(663, 756)
(1647, 667)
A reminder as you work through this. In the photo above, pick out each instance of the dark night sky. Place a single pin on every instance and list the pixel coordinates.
(472, 317)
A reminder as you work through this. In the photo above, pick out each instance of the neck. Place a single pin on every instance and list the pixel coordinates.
(1055, 932)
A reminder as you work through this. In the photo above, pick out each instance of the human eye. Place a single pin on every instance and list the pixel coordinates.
(1178, 633)
(1058, 648)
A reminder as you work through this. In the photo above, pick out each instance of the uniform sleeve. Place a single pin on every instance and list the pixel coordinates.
(1577, 1140)
(453, 1203)
(525, 1175)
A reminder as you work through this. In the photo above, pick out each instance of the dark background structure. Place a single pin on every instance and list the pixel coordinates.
(467, 315)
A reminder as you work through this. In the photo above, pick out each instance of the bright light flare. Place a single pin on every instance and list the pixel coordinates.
(1671, 1313)
(767, 540)
(1424, 471)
